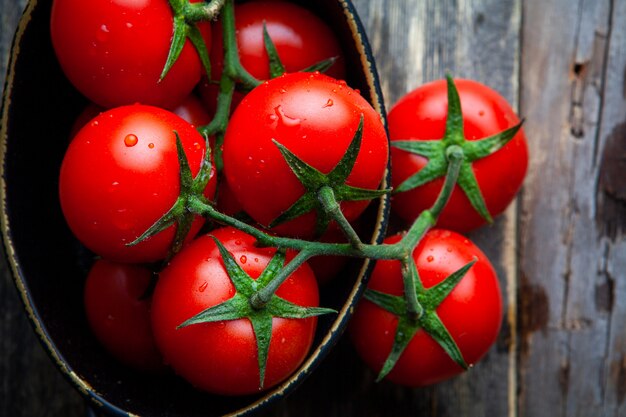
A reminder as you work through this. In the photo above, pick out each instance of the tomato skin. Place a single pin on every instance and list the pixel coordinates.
(421, 114)
(113, 51)
(121, 174)
(119, 315)
(300, 37)
(221, 357)
(472, 312)
(315, 117)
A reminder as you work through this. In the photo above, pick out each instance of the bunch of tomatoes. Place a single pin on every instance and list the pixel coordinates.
(219, 157)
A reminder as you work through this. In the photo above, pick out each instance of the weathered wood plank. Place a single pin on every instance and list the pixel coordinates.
(569, 94)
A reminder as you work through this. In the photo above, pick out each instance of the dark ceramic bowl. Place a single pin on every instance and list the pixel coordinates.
(49, 265)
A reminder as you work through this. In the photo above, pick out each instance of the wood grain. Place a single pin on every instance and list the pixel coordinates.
(560, 252)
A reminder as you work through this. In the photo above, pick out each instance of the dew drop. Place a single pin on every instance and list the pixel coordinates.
(481, 113)
(94, 123)
(329, 103)
(243, 259)
(197, 145)
(449, 250)
(256, 260)
(103, 33)
(430, 258)
(203, 286)
(283, 91)
(129, 25)
(356, 90)
(272, 118)
(130, 140)
(221, 324)
(151, 145)
(238, 242)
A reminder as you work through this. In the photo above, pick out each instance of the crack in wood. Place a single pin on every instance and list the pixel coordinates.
(611, 192)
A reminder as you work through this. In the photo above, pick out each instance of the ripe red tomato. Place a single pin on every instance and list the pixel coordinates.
(113, 51)
(119, 315)
(315, 117)
(300, 37)
(221, 357)
(121, 174)
(421, 114)
(472, 312)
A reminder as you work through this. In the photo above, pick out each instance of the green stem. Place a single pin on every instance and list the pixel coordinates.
(414, 308)
(260, 298)
(428, 218)
(326, 196)
(198, 12)
(384, 251)
(232, 64)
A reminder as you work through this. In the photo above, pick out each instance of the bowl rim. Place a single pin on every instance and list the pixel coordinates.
(323, 347)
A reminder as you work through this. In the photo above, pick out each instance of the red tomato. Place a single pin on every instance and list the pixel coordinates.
(315, 117)
(119, 315)
(421, 114)
(300, 37)
(221, 357)
(121, 174)
(472, 312)
(113, 51)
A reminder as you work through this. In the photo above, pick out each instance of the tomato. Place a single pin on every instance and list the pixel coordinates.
(121, 174)
(472, 312)
(315, 117)
(300, 37)
(114, 51)
(221, 357)
(119, 313)
(421, 114)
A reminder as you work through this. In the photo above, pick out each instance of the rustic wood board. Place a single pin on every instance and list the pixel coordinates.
(560, 252)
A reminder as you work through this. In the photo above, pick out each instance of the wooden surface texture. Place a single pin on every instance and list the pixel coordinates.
(560, 251)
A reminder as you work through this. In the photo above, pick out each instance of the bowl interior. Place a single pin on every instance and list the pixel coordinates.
(50, 265)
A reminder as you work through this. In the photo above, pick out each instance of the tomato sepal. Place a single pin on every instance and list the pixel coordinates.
(240, 305)
(186, 28)
(313, 181)
(436, 153)
(180, 212)
(427, 319)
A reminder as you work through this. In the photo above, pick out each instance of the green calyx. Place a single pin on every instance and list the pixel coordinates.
(186, 17)
(436, 153)
(190, 189)
(241, 307)
(318, 184)
(426, 318)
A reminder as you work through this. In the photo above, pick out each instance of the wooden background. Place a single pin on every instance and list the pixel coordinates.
(560, 252)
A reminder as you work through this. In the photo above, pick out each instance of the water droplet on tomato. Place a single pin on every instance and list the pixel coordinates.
(283, 91)
(94, 123)
(329, 103)
(237, 242)
(430, 258)
(103, 33)
(130, 140)
(151, 145)
(243, 259)
(481, 113)
(129, 25)
(197, 145)
(272, 118)
(449, 250)
(203, 286)
(256, 260)
(284, 119)
(356, 90)
(221, 324)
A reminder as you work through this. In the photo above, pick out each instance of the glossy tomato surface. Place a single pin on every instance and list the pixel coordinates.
(114, 51)
(221, 357)
(421, 114)
(315, 117)
(472, 312)
(121, 174)
(300, 37)
(118, 312)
